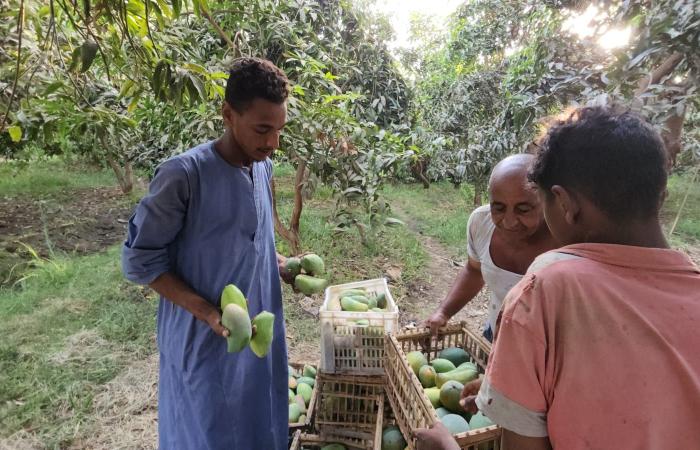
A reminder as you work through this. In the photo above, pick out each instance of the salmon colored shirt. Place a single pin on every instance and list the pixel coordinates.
(600, 350)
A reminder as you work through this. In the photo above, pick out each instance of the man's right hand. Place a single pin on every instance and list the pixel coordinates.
(436, 321)
(468, 396)
(213, 319)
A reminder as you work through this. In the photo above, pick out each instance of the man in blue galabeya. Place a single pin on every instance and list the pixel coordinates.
(207, 222)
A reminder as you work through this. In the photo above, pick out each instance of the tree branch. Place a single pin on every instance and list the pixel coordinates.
(298, 200)
(664, 69)
(218, 29)
(20, 27)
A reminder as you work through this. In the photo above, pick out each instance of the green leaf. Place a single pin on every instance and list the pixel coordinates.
(177, 7)
(15, 132)
(75, 59)
(392, 222)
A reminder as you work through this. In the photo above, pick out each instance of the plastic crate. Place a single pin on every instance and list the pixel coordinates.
(411, 406)
(350, 410)
(305, 425)
(348, 348)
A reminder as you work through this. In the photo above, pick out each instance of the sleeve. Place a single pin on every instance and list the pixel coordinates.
(157, 220)
(513, 394)
(474, 235)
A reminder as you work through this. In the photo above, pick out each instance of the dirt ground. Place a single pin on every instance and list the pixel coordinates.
(86, 221)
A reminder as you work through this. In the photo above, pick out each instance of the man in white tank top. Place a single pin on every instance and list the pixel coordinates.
(503, 238)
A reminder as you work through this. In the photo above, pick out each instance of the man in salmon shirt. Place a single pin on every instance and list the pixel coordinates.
(597, 346)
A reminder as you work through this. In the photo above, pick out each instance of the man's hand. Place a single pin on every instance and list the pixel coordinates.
(437, 320)
(284, 274)
(436, 438)
(468, 396)
(213, 319)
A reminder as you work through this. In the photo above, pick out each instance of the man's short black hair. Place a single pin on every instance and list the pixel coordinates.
(608, 154)
(251, 78)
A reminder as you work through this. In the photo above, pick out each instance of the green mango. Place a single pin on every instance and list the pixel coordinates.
(294, 413)
(305, 391)
(456, 355)
(291, 396)
(377, 310)
(455, 423)
(479, 420)
(450, 394)
(312, 264)
(442, 412)
(362, 322)
(416, 360)
(264, 324)
(309, 285)
(232, 295)
(302, 418)
(463, 376)
(468, 365)
(372, 303)
(359, 298)
(237, 321)
(426, 375)
(392, 439)
(292, 384)
(348, 304)
(308, 380)
(433, 395)
(442, 365)
(381, 300)
(309, 371)
(293, 266)
(350, 292)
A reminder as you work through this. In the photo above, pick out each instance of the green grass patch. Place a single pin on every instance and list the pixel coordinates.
(688, 227)
(440, 211)
(73, 325)
(50, 176)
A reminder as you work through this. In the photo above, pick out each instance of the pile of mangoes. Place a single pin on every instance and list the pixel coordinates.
(243, 332)
(362, 300)
(301, 386)
(306, 272)
(443, 380)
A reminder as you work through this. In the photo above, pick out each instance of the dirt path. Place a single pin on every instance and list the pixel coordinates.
(439, 274)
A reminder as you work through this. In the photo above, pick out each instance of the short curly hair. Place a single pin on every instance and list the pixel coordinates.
(608, 154)
(251, 78)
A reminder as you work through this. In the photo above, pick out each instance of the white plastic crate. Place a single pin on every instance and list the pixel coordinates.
(349, 348)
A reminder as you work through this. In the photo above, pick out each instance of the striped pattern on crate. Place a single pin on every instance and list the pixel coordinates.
(411, 406)
(349, 408)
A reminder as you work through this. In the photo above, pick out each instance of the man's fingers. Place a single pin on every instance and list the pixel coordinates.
(469, 404)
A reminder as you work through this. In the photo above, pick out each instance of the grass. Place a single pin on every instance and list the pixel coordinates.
(73, 326)
(688, 228)
(50, 176)
(440, 211)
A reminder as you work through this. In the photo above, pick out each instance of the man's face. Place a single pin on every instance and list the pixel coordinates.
(257, 128)
(515, 207)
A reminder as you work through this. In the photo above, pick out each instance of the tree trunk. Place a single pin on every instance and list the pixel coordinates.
(291, 233)
(477, 194)
(125, 177)
(418, 169)
(674, 124)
